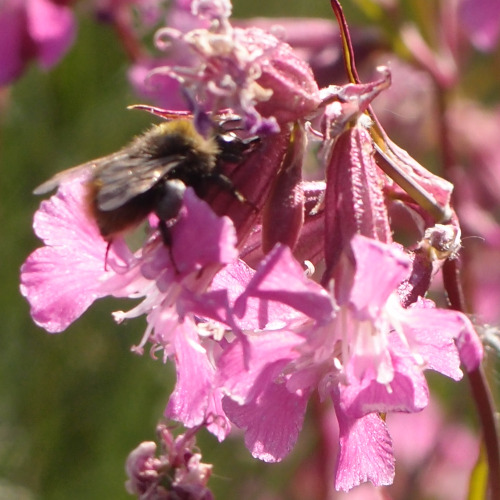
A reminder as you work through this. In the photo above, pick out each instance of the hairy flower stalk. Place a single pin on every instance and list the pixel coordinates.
(270, 287)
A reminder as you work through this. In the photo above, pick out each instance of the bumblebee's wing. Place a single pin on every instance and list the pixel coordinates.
(66, 175)
(123, 177)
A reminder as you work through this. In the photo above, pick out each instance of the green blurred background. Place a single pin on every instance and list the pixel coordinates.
(73, 405)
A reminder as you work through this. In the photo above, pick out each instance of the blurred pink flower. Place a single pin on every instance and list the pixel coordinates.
(33, 29)
(436, 458)
(482, 22)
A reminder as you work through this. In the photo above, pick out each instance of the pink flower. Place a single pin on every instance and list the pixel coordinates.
(360, 347)
(33, 29)
(63, 278)
(160, 89)
(241, 69)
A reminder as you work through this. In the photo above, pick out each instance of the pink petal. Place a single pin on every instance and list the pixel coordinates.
(354, 202)
(380, 268)
(240, 378)
(259, 314)
(62, 279)
(431, 336)
(407, 391)
(200, 237)
(469, 345)
(280, 278)
(270, 414)
(272, 420)
(194, 399)
(443, 338)
(211, 305)
(365, 452)
(58, 289)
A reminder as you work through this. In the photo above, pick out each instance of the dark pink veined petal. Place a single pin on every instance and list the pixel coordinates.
(266, 160)
(365, 452)
(272, 420)
(283, 215)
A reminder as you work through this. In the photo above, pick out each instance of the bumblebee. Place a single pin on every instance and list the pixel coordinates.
(151, 173)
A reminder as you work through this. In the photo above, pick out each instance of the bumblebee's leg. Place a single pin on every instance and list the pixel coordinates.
(166, 236)
(225, 183)
(165, 233)
(170, 198)
(251, 143)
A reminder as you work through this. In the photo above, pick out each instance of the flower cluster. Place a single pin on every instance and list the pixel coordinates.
(282, 286)
(176, 473)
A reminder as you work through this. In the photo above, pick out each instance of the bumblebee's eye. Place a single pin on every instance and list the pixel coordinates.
(233, 149)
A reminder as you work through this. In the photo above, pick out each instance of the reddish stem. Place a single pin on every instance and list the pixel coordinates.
(349, 61)
(481, 392)
(130, 43)
(480, 388)
(323, 453)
